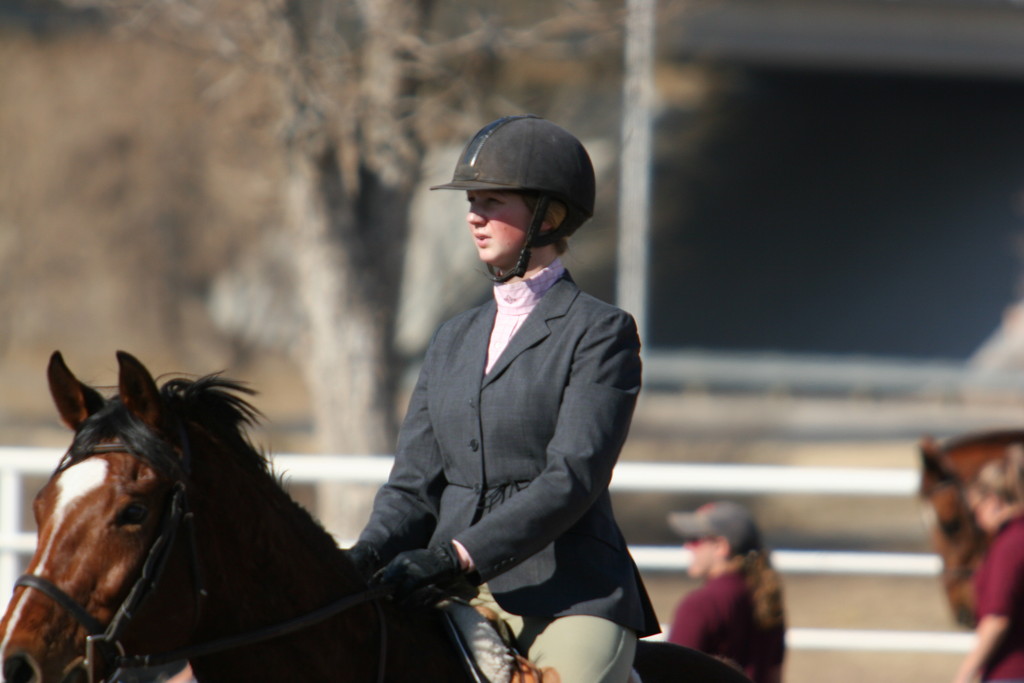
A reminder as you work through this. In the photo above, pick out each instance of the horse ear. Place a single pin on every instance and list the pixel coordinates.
(139, 392)
(75, 401)
(933, 470)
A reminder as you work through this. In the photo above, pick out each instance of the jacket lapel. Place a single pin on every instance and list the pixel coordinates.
(469, 368)
(554, 304)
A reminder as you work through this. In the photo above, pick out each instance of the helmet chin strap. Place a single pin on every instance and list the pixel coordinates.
(532, 233)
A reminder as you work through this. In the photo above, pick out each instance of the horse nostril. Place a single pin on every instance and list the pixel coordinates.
(20, 668)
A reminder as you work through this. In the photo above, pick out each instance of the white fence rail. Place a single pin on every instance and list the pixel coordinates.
(16, 542)
(823, 373)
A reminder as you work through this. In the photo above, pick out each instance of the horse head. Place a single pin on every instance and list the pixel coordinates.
(107, 520)
(159, 484)
(954, 534)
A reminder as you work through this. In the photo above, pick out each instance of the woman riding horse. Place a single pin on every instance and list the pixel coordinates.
(518, 417)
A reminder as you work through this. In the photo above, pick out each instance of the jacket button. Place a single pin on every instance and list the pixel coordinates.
(474, 444)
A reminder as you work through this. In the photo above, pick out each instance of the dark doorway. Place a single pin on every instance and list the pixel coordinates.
(826, 213)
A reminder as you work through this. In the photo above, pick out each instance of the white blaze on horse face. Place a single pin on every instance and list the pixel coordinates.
(74, 483)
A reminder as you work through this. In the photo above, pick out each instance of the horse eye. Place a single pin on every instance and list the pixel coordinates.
(950, 527)
(133, 513)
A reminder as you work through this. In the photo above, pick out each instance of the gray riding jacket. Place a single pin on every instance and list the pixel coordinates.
(515, 465)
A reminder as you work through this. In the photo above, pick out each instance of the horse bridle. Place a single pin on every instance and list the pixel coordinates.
(103, 646)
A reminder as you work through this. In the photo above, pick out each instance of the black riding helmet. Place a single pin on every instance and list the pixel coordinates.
(526, 153)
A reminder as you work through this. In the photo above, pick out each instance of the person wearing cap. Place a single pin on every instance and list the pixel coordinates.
(520, 411)
(737, 613)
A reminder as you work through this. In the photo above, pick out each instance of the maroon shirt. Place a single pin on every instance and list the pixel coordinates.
(718, 618)
(999, 586)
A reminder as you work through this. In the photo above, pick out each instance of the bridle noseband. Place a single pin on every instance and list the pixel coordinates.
(103, 647)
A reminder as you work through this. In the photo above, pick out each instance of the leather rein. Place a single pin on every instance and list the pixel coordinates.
(103, 647)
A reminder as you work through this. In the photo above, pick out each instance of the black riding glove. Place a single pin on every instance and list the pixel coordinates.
(365, 558)
(417, 569)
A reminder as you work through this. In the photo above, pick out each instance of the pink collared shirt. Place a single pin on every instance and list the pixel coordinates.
(516, 300)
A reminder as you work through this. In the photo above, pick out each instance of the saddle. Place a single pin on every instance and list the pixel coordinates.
(486, 646)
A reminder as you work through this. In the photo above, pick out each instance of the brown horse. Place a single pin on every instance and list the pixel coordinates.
(164, 536)
(947, 468)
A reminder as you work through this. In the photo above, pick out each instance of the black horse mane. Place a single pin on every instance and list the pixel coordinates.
(201, 417)
(214, 404)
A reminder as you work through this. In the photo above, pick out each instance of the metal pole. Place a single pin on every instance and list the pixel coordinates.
(634, 180)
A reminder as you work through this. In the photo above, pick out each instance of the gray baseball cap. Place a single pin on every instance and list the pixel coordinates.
(721, 518)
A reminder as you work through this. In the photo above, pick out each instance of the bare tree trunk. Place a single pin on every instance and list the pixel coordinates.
(352, 171)
(345, 349)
